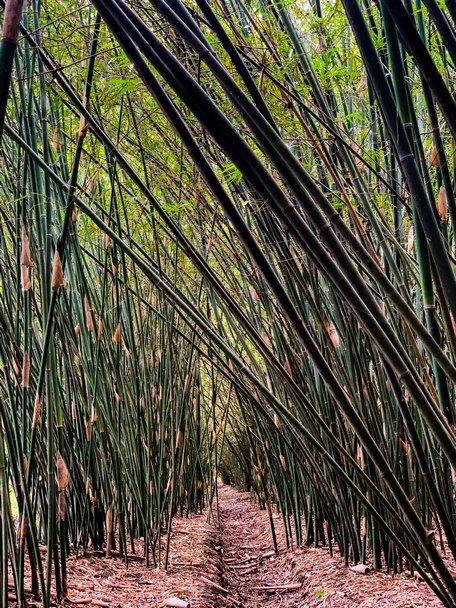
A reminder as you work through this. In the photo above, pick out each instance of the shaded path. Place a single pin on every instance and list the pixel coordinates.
(250, 565)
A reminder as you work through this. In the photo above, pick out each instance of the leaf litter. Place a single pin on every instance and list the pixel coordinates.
(231, 563)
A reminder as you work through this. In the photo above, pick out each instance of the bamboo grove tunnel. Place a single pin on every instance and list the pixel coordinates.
(227, 252)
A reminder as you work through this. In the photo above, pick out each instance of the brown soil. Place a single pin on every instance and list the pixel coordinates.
(250, 566)
(108, 582)
(233, 565)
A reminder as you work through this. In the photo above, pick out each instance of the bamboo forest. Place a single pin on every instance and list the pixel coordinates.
(228, 303)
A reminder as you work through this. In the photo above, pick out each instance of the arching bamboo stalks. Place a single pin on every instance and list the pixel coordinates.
(222, 250)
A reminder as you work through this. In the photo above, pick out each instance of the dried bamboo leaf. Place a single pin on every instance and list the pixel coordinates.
(25, 248)
(25, 278)
(434, 157)
(25, 371)
(411, 239)
(56, 140)
(88, 315)
(36, 412)
(442, 204)
(254, 294)
(62, 506)
(63, 475)
(116, 335)
(57, 272)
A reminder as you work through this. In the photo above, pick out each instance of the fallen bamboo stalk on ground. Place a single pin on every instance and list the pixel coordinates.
(285, 587)
(213, 584)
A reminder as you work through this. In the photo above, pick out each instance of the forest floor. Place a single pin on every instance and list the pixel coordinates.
(230, 563)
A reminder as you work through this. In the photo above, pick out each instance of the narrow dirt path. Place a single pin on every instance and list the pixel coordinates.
(254, 575)
(252, 572)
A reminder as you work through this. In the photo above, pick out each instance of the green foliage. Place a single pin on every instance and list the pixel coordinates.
(115, 88)
(232, 173)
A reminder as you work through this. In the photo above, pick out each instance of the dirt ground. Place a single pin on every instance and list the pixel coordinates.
(230, 563)
(313, 577)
